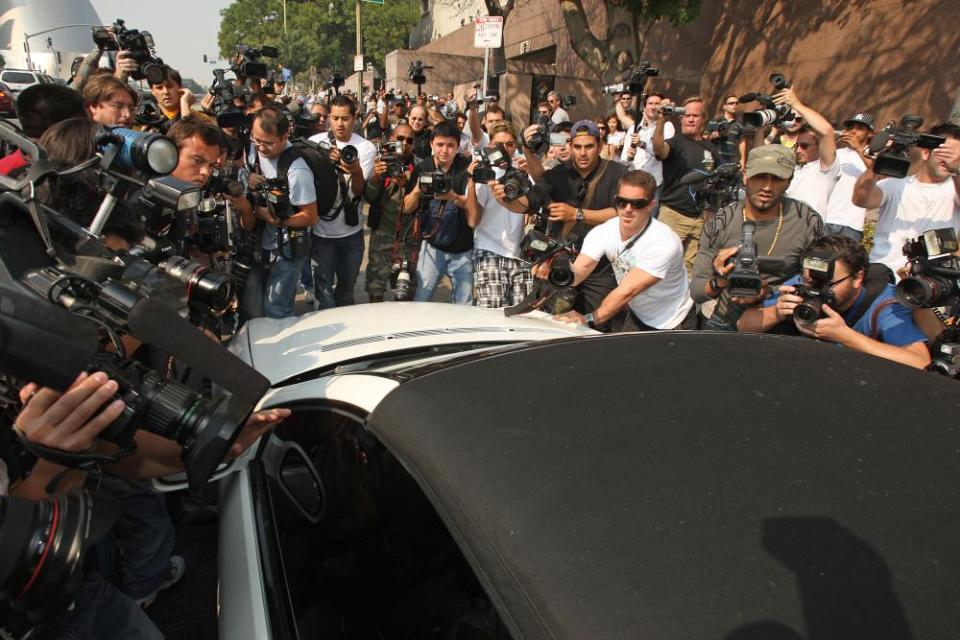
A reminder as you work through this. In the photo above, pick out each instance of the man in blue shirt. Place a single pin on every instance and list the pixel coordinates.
(884, 328)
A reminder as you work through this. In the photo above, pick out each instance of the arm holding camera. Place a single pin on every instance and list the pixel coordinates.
(866, 193)
(661, 148)
(821, 126)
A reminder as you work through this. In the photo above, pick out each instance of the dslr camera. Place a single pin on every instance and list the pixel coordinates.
(348, 153)
(492, 158)
(434, 184)
(390, 153)
(274, 194)
(138, 44)
(635, 81)
(818, 267)
(934, 279)
(515, 183)
(249, 65)
(771, 113)
(894, 161)
(538, 247)
(539, 140)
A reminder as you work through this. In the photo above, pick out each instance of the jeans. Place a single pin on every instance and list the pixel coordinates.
(101, 612)
(841, 230)
(340, 259)
(434, 264)
(281, 288)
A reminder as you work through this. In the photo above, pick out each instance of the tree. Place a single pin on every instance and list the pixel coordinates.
(320, 35)
(628, 25)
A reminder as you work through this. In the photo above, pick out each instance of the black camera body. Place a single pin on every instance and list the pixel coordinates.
(274, 193)
(416, 75)
(635, 81)
(138, 44)
(250, 65)
(225, 95)
(772, 113)
(435, 184)
(391, 153)
(489, 159)
(716, 189)
(819, 269)
(539, 140)
(934, 279)
(746, 279)
(515, 183)
(894, 160)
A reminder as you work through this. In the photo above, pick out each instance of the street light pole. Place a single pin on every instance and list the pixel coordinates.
(359, 53)
(27, 36)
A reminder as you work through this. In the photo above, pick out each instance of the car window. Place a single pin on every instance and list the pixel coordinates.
(380, 562)
(17, 77)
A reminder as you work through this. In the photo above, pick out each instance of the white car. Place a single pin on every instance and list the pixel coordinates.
(19, 79)
(449, 473)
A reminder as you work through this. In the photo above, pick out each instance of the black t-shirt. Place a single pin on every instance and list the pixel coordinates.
(421, 145)
(685, 156)
(563, 183)
(454, 235)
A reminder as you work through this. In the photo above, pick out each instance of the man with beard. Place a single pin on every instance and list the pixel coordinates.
(785, 229)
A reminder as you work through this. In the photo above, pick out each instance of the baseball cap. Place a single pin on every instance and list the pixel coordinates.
(774, 159)
(585, 128)
(860, 118)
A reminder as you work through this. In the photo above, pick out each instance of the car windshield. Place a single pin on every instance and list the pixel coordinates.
(18, 77)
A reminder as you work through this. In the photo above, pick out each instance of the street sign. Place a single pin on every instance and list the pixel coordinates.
(358, 63)
(487, 32)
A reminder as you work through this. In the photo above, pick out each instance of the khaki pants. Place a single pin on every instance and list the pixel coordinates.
(688, 229)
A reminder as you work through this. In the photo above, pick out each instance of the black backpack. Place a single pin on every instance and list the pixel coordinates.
(326, 176)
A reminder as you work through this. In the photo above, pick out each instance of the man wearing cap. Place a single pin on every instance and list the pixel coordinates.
(842, 217)
(576, 195)
(816, 151)
(785, 229)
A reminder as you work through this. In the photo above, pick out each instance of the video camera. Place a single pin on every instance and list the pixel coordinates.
(225, 93)
(716, 189)
(215, 222)
(139, 45)
(894, 161)
(772, 113)
(745, 279)
(335, 82)
(249, 65)
(818, 267)
(934, 279)
(635, 81)
(416, 75)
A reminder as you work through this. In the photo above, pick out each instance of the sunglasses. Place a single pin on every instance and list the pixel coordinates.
(637, 203)
(405, 139)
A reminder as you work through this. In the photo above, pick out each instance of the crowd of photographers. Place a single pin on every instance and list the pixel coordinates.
(652, 217)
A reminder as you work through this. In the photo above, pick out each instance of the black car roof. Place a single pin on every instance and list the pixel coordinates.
(695, 485)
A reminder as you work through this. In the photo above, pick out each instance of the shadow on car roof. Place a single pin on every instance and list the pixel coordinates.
(694, 485)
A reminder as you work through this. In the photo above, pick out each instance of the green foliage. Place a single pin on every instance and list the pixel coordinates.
(678, 12)
(320, 34)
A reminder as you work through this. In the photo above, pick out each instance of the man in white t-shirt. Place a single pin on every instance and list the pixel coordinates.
(499, 277)
(929, 199)
(816, 151)
(557, 113)
(843, 218)
(338, 235)
(647, 260)
(637, 150)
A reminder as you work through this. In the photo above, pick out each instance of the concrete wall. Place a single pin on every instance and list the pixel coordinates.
(448, 70)
(888, 57)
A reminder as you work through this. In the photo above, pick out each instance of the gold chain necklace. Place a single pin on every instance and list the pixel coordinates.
(776, 236)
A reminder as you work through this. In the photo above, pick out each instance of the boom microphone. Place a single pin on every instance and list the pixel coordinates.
(748, 97)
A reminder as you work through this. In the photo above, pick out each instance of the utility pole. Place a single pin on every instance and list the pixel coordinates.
(359, 53)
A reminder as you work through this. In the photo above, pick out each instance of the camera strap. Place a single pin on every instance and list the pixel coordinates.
(875, 281)
(592, 180)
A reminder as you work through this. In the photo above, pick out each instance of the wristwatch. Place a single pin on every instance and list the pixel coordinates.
(579, 214)
(589, 318)
(715, 284)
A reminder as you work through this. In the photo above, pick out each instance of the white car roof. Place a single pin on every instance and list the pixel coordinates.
(281, 349)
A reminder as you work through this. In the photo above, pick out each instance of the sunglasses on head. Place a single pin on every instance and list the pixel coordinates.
(637, 203)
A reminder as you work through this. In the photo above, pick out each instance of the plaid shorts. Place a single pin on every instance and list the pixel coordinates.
(499, 281)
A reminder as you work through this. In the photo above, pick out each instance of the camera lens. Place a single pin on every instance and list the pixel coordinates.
(149, 152)
(561, 271)
(42, 545)
(349, 154)
(807, 312)
(924, 291)
(214, 290)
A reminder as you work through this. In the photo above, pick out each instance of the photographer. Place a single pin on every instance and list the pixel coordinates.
(680, 155)
(109, 101)
(448, 239)
(480, 134)
(322, 111)
(637, 152)
(929, 199)
(575, 195)
(816, 151)
(842, 217)
(286, 238)
(877, 324)
(422, 140)
(557, 113)
(647, 260)
(172, 99)
(338, 235)
(391, 235)
(785, 229)
(725, 132)
(501, 278)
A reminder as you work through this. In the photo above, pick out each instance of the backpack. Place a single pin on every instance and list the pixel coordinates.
(326, 176)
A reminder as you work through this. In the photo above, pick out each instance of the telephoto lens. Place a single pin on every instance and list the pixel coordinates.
(42, 548)
(926, 291)
(204, 287)
(349, 154)
(151, 153)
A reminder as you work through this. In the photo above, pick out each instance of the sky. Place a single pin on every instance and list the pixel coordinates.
(183, 30)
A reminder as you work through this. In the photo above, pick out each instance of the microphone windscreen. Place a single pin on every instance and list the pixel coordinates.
(156, 324)
(879, 141)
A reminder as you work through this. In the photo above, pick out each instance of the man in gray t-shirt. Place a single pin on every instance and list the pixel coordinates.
(785, 228)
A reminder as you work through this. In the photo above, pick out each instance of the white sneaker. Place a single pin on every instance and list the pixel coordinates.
(177, 568)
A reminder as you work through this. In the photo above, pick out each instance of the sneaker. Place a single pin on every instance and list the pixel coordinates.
(177, 568)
